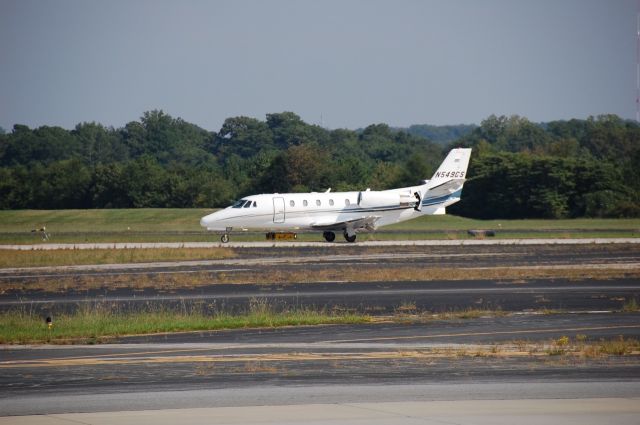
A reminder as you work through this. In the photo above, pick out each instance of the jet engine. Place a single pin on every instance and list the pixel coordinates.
(374, 199)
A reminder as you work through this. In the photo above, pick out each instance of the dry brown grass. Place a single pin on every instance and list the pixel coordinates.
(259, 367)
(169, 281)
(563, 348)
(580, 347)
(402, 315)
(394, 274)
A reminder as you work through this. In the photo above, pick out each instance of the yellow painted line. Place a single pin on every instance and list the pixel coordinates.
(98, 356)
(223, 359)
(117, 358)
(524, 331)
(441, 353)
(139, 353)
(620, 266)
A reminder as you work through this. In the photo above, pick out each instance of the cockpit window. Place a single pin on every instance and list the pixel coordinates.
(240, 203)
(248, 204)
(254, 204)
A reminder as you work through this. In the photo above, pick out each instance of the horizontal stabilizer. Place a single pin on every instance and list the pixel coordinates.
(446, 188)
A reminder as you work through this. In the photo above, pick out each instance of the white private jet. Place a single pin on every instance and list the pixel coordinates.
(346, 212)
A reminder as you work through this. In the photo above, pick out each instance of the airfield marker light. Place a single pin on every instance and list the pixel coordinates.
(49, 322)
(638, 65)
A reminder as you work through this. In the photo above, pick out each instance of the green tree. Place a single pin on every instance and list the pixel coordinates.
(244, 137)
(99, 145)
(289, 130)
(63, 184)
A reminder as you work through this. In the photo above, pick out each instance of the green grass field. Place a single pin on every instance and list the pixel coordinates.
(183, 225)
(96, 324)
(117, 220)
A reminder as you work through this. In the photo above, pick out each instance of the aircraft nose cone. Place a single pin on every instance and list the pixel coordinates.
(204, 222)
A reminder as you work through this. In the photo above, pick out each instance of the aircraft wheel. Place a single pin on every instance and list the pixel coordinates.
(224, 238)
(349, 238)
(329, 236)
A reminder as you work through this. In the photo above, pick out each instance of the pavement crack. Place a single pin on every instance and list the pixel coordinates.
(63, 419)
(400, 415)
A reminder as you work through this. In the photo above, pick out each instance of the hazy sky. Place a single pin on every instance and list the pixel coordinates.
(351, 62)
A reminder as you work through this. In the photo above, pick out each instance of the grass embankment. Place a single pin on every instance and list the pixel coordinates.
(183, 225)
(114, 220)
(97, 325)
(68, 257)
(106, 225)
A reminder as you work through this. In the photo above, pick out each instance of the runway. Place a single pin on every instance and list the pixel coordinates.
(515, 403)
(501, 410)
(299, 244)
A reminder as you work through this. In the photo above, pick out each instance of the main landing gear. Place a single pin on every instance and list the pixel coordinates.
(351, 238)
(330, 236)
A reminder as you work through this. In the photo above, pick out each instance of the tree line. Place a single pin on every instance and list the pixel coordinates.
(518, 169)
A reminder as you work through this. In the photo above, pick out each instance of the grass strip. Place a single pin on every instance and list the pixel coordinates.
(96, 325)
(103, 220)
(70, 257)
(182, 225)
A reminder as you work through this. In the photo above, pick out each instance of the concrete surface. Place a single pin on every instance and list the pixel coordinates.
(582, 411)
(464, 242)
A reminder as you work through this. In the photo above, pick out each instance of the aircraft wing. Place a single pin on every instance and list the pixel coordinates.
(367, 223)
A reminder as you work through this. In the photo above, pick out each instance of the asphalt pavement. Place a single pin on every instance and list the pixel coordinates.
(27, 287)
(513, 348)
(297, 374)
(298, 244)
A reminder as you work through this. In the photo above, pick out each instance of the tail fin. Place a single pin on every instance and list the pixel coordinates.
(454, 167)
(445, 187)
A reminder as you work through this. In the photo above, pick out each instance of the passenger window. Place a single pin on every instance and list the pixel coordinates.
(331, 202)
(347, 202)
(318, 202)
(305, 203)
(292, 203)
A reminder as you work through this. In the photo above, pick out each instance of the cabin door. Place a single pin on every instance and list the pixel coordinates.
(278, 210)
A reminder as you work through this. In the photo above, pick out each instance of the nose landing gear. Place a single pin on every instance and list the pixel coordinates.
(224, 238)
